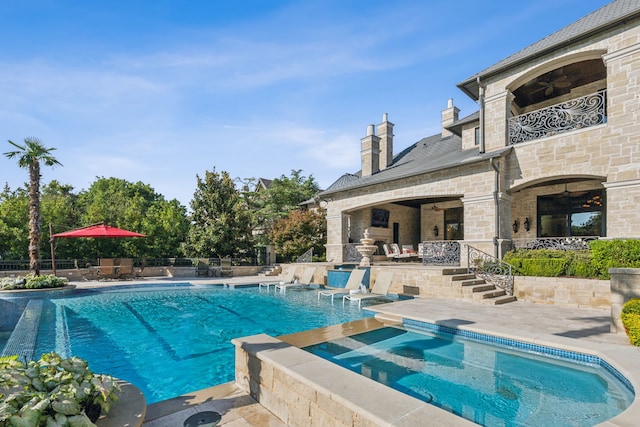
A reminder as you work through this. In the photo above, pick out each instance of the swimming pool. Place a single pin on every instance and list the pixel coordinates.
(169, 342)
(494, 384)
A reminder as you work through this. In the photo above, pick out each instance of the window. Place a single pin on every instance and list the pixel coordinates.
(476, 136)
(579, 213)
(454, 224)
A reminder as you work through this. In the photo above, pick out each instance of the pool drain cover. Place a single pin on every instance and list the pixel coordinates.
(203, 419)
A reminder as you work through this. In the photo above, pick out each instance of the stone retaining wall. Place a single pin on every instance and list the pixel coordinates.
(574, 292)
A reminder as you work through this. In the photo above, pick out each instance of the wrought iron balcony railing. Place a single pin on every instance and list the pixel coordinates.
(439, 252)
(576, 243)
(566, 116)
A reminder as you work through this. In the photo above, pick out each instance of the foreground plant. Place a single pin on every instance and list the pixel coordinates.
(53, 392)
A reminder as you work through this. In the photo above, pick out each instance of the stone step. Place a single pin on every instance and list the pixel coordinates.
(453, 271)
(481, 288)
(503, 300)
(492, 293)
(460, 277)
(472, 282)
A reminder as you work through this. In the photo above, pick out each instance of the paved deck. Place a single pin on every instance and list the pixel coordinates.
(575, 329)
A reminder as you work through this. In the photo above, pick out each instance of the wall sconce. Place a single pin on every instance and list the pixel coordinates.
(515, 226)
(527, 224)
(435, 230)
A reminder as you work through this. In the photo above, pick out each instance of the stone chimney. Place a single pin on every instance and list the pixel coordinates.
(370, 152)
(385, 132)
(449, 116)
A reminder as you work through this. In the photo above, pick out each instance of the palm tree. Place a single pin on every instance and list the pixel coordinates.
(29, 157)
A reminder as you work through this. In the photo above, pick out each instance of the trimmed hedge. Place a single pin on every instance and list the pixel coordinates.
(631, 320)
(593, 263)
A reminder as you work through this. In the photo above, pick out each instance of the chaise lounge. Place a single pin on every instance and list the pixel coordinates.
(354, 283)
(380, 289)
(305, 280)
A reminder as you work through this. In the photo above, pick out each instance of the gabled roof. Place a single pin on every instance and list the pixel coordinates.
(427, 155)
(611, 15)
(456, 127)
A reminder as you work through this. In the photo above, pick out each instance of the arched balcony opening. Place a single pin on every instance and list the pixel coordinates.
(568, 97)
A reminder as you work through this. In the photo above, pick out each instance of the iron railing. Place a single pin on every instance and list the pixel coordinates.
(68, 264)
(306, 257)
(577, 243)
(566, 116)
(491, 269)
(439, 252)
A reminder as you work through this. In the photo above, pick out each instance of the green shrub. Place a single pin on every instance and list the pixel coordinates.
(631, 320)
(606, 254)
(33, 282)
(54, 392)
(538, 262)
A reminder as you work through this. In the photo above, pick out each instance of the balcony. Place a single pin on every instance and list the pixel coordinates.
(566, 116)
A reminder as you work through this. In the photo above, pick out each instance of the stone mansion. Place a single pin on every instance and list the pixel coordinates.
(552, 152)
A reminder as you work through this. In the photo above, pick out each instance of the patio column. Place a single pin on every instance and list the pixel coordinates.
(337, 235)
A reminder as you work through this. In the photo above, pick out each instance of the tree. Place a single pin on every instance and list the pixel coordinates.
(283, 196)
(220, 220)
(300, 231)
(137, 207)
(29, 157)
(14, 223)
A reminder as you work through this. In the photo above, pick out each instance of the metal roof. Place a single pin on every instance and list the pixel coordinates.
(611, 15)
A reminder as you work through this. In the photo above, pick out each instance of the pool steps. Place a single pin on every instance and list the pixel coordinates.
(23, 339)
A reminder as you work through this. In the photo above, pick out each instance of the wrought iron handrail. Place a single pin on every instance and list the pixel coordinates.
(576, 243)
(490, 268)
(306, 257)
(439, 252)
(574, 114)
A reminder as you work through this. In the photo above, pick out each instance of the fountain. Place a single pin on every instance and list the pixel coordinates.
(366, 249)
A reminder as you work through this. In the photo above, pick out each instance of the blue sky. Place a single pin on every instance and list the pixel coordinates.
(160, 91)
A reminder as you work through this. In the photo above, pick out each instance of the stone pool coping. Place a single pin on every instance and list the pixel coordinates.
(294, 384)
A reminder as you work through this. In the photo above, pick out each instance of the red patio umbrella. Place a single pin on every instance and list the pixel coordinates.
(99, 230)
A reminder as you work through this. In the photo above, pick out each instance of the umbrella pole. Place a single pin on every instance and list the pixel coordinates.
(53, 252)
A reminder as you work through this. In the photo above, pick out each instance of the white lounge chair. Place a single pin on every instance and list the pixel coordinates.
(354, 282)
(380, 289)
(305, 280)
(288, 278)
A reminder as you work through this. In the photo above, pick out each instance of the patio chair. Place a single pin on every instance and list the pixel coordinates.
(107, 268)
(202, 268)
(379, 290)
(125, 268)
(354, 283)
(400, 255)
(305, 280)
(409, 250)
(225, 267)
(389, 253)
(286, 279)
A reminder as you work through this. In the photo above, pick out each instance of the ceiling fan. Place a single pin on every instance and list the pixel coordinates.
(437, 209)
(550, 86)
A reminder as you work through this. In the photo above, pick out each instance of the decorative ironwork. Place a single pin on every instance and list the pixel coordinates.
(491, 269)
(439, 252)
(351, 254)
(577, 113)
(306, 257)
(559, 243)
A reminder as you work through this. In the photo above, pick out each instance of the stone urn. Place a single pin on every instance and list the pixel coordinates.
(366, 248)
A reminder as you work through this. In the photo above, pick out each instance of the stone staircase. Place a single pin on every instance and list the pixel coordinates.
(270, 271)
(477, 289)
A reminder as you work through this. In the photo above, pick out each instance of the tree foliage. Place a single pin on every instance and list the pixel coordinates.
(283, 196)
(220, 219)
(133, 206)
(300, 231)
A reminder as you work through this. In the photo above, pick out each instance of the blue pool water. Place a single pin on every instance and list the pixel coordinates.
(487, 384)
(169, 342)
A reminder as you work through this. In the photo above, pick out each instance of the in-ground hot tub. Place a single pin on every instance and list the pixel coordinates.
(338, 277)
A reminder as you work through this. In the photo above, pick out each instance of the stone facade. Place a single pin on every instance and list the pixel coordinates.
(504, 183)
